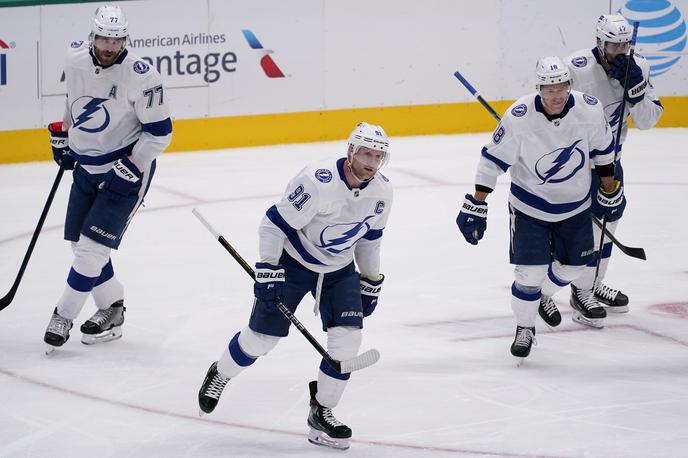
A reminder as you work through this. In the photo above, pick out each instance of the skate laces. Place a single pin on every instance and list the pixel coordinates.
(587, 299)
(217, 384)
(549, 306)
(329, 417)
(524, 337)
(605, 291)
(103, 316)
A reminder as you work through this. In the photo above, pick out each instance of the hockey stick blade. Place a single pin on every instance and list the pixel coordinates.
(638, 253)
(361, 361)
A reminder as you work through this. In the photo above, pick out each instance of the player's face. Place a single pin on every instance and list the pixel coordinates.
(614, 49)
(107, 49)
(554, 97)
(366, 162)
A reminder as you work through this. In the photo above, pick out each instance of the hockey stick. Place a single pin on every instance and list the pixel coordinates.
(7, 300)
(622, 110)
(630, 251)
(361, 361)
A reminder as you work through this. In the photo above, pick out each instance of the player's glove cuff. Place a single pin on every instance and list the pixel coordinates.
(123, 179)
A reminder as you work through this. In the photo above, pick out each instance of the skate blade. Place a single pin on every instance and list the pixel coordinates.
(520, 360)
(106, 336)
(49, 349)
(616, 309)
(320, 438)
(597, 323)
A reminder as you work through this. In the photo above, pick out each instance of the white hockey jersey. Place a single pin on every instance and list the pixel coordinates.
(321, 221)
(114, 111)
(589, 77)
(549, 160)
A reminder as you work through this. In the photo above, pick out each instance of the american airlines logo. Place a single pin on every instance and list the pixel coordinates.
(3, 60)
(268, 65)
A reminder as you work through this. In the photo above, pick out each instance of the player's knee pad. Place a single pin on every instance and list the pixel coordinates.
(565, 273)
(90, 257)
(255, 344)
(529, 278)
(343, 342)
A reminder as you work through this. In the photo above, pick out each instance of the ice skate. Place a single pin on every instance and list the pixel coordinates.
(548, 311)
(326, 430)
(586, 310)
(57, 332)
(615, 300)
(104, 325)
(209, 394)
(523, 341)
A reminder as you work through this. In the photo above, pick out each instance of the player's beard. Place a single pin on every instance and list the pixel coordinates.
(106, 57)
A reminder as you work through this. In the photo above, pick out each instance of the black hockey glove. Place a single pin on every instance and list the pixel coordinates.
(370, 292)
(269, 285)
(123, 179)
(59, 141)
(636, 81)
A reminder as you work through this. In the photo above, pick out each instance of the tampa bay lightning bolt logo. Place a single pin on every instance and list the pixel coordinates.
(561, 164)
(89, 114)
(76, 44)
(590, 100)
(613, 112)
(323, 175)
(519, 110)
(579, 62)
(341, 237)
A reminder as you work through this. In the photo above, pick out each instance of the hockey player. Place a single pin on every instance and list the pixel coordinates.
(546, 140)
(331, 213)
(600, 72)
(115, 124)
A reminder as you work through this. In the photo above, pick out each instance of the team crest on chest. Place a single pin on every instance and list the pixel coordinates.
(560, 164)
(89, 114)
(340, 237)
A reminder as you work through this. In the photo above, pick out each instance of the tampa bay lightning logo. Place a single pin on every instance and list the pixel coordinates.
(561, 164)
(590, 100)
(141, 67)
(519, 110)
(76, 44)
(89, 114)
(580, 61)
(323, 175)
(613, 112)
(341, 237)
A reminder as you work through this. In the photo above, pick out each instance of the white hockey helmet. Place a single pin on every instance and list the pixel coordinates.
(370, 136)
(551, 70)
(110, 21)
(613, 28)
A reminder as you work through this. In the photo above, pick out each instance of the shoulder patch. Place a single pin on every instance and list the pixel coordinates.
(141, 67)
(519, 110)
(580, 61)
(323, 175)
(590, 100)
(76, 44)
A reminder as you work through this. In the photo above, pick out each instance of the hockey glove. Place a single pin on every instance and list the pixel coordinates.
(269, 285)
(609, 205)
(123, 179)
(636, 81)
(370, 292)
(60, 143)
(472, 219)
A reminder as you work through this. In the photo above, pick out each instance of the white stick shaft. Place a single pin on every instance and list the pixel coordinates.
(205, 222)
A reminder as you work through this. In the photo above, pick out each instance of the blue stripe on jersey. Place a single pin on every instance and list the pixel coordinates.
(237, 354)
(658, 103)
(501, 164)
(291, 233)
(327, 370)
(373, 234)
(607, 150)
(554, 279)
(541, 204)
(80, 282)
(530, 297)
(158, 128)
(83, 159)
